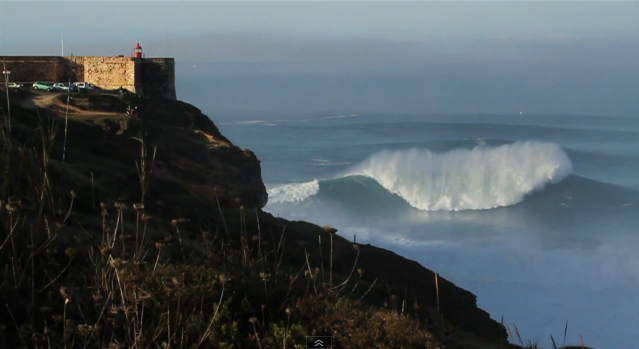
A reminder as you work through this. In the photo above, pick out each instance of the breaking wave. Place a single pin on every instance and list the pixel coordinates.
(295, 192)
(462, 179)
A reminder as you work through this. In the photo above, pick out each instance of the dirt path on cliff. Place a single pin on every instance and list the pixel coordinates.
(51, 100)
(35, 100)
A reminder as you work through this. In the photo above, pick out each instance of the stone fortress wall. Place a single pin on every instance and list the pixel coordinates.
(108, 73)
(144, 76)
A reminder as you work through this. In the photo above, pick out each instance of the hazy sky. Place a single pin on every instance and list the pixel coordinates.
(36, 27)
(506, 45)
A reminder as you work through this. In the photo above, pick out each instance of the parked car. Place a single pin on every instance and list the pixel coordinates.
(85, 86)
(39, 85)
(60, 86)
(14, 85)
(80, 84)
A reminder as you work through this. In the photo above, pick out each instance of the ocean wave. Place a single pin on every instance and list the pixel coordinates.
(294, 192)
(467, 179)
(482, 177)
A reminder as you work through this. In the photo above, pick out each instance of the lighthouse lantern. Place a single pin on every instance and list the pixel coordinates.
(137, 50)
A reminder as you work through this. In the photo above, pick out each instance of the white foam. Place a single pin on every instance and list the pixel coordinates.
(481, 178)
(248, 122)
(333, 117)
(324, 162)
(294, 192)
(331, 164)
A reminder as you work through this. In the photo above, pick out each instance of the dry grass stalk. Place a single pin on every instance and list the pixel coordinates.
(8, 117)
(331, 231)
(437, 291)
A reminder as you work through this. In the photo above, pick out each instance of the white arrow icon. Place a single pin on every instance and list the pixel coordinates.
(319, 343)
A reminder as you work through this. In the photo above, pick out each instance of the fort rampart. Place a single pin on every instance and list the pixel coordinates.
(144, 76)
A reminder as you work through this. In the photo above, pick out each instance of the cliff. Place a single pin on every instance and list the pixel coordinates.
(194, 164)
(194, 181)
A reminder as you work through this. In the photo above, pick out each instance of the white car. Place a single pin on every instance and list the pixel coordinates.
(14, 85)
(59, 86)
(80, 84)
(84, 86)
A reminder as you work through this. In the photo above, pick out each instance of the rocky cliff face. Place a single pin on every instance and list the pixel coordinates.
(198, 161)
(189, 163)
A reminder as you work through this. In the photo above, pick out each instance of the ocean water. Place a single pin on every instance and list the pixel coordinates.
(536, 215)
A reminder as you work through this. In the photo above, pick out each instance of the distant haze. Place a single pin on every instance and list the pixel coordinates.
(430, 57)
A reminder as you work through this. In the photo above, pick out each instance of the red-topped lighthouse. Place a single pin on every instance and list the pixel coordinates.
(137, 50)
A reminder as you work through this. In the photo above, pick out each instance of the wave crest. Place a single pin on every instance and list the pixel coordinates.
(463, 179)
(294, 192)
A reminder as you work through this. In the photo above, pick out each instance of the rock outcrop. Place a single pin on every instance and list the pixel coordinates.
(189, 163)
